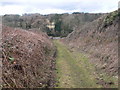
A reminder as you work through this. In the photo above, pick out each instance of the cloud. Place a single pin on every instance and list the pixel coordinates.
(56, 6)
(14, 9)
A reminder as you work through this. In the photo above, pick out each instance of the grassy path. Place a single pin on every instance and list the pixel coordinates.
(73, 69)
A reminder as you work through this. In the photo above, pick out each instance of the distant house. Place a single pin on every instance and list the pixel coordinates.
(51, 25)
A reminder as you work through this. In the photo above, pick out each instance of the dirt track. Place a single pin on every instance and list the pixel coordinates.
(75, 71)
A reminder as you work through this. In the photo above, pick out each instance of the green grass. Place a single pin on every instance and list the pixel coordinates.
(73, 69)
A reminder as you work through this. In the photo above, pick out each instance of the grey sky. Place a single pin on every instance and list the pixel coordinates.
(57, 6)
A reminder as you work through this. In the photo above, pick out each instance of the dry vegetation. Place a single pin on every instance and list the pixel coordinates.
(28, 59)
(99, 39)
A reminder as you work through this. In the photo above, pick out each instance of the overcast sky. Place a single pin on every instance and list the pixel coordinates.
(56, 6)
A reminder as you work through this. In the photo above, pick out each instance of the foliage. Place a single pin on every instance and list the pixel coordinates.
(110, 18)
(64, 23)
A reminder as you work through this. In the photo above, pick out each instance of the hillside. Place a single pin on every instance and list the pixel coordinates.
(28, 59)
(63, 24)
(34, 54)
(99, 39)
